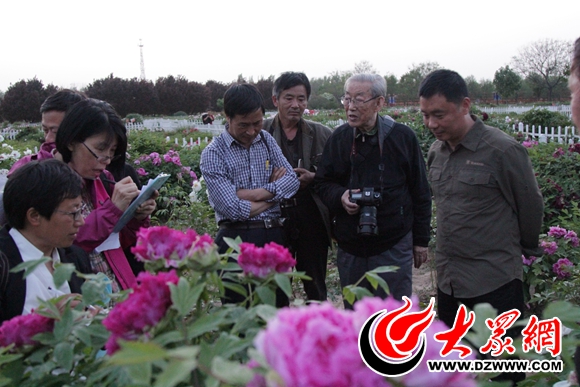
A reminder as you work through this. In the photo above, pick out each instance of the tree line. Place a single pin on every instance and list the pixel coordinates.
(537, 73)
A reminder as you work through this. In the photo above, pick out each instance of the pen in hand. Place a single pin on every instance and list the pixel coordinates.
(108, 181)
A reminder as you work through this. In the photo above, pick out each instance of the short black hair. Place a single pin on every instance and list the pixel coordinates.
(242, 99)
(448, 83)
(61, 101)
(288, 80)
(41, 185)
(88, 118)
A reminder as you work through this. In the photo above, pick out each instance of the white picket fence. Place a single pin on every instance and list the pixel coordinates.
(566, 135)
(169, 125)
(564, 109)
(9, 133)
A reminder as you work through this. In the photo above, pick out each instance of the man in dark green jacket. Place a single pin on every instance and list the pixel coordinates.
(302, 142)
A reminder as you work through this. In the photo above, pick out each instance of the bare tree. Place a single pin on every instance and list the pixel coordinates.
(364, 67)
(548, 58)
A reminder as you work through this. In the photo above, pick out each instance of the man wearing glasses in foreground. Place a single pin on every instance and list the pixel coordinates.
(372, 177)
(40, 225)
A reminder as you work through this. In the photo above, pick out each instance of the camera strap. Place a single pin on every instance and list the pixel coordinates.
(383, 132)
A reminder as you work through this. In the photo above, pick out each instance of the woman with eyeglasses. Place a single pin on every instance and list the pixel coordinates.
(92, 139)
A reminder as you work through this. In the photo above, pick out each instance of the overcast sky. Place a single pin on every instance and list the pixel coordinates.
(73, 43)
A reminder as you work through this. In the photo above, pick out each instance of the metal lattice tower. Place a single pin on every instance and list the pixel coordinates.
(142, 61)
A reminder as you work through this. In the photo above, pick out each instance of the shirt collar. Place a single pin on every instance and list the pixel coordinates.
(371, 132)
(230, 140)
(28, 251)
(473, 136)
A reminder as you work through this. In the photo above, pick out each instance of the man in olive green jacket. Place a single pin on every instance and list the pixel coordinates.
(302, 142)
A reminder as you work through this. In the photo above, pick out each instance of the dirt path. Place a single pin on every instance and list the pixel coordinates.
(425, 282)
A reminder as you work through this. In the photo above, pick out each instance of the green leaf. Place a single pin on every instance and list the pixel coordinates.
(567, 313)
(266, 312)
(133, 352)
(384, 269)
(184, 297)
(62, 273)
(176, 371)
(167, 338)
(188, 352)
(63, 355)
(63, 328)
(375, 280)
(29, 266)
(350, 293)
(204, 324)
(230, 371)
(284, 283)
(236, 288)
(267, 295)
(140, 374)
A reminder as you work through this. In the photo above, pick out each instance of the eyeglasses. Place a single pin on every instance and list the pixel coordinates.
(346, 101)
(75, 215)
(102, 159)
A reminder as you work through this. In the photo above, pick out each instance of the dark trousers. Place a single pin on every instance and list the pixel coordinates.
(352, 268)
(258, 237)
(507, 297)
(308, 243)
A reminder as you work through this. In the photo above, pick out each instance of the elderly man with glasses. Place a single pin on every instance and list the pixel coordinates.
(372, 178)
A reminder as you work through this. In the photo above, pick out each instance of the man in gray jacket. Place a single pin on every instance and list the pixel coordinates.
(302, 142)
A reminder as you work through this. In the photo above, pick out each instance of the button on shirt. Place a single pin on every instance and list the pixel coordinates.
(489, 211)
(227, 166)
(39, 283)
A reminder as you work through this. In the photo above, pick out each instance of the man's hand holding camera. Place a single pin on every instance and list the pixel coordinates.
(350, 207)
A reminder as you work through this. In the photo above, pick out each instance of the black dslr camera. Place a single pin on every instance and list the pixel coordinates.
(368, 200)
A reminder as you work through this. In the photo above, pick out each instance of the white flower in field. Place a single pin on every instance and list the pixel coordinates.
(6, 146)
(1, 138)
(508, 119)
(193, 197)
(196, 186)
(27, 152)
(15, 155)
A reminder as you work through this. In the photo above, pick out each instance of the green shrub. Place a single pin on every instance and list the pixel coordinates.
(30, 134)
(179, 114)
(136, 116)
(557, 169)
(145, 142)
(545, 118)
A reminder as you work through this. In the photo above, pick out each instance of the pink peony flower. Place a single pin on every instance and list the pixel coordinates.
(557, 232)
(20, 329)
(142, 172)
(529, 143)
(161, 242)
(261, 261)
(571, 235)
(549, 247)
(142, 310)
(574, 148)
(528, 261)
(315, 346)
(558, 152)
(421, 377)
(562, 268)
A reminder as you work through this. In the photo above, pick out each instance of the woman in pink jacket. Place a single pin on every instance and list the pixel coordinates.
(91, 137)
